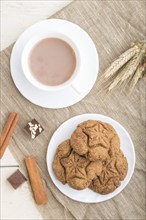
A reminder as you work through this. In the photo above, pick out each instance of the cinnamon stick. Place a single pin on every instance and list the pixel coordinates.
(7, 132)
(38, 188)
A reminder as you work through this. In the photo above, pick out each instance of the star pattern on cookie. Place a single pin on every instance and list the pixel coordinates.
(109, 170)
(97, 135)
(75, 165)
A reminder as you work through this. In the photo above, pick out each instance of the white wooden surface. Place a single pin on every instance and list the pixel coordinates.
(16, 16)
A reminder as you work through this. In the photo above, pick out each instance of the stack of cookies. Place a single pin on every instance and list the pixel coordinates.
(91, 158)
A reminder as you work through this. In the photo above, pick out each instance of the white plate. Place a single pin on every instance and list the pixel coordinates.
(89, 67)
(64, 132)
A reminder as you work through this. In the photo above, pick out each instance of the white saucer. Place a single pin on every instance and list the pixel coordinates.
(89, 67)
(64, 132)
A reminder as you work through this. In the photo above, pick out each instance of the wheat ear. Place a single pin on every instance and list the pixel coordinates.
(126, 71)
(123, 59)
(136, 77)
(132, 66)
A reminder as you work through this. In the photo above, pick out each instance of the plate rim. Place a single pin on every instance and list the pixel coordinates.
(132, 147)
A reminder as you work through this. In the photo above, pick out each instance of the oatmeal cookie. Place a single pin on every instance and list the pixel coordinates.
(75, 169)
(114, 170)
(63, 150)
(94, 169)
(95, 139)
(69, 167)
(121, 165)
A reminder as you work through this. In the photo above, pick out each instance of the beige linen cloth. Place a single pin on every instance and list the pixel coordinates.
(112, 25)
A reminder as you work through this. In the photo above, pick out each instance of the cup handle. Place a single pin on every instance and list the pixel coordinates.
(76, 88)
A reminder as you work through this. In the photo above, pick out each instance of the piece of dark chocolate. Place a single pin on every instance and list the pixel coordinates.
(34, 128)
(16, 179)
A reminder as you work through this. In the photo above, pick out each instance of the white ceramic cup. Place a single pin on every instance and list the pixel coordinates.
(27, 72)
